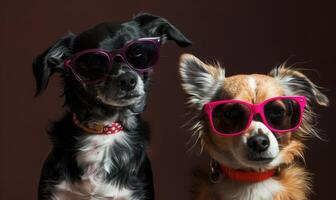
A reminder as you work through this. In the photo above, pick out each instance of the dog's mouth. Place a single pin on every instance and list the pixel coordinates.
(130, 96)
(255, 160)
(121, 101)
(259, 158)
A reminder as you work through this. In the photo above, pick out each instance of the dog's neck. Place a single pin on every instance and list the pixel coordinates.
(108, 128)
(219, 171)
(98, 124)
(247, 176)
(287, 182)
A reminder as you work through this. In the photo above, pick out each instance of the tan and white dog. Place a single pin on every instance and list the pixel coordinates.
(268, 167)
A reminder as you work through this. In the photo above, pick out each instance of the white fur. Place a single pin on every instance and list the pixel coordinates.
(284, 82)
(252, 84)
(265, 190)
(92, 186)
(96, 149)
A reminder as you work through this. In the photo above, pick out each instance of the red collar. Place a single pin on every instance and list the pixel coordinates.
(247, 176)
(98, 128)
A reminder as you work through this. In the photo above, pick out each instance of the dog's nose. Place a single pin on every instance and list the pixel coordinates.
(127, 81)
(258, 143)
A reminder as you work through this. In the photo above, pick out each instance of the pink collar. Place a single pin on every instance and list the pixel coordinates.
(98, 128)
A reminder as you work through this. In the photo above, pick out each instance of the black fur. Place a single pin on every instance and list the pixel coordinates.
(130, 166)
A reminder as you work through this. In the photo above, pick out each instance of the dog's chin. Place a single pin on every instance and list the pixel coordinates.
(256, 162)
(124, 101)
(258, 158)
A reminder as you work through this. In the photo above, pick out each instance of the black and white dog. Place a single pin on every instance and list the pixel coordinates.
(99, 146)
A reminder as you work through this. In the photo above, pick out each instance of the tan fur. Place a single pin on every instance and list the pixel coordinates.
(292, 183)
(236, 87)
(296, 182)
(291, 151)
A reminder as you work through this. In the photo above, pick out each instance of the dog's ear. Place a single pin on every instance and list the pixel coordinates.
(200, 80)
(296, 83)
(50, 61)
(157, 26)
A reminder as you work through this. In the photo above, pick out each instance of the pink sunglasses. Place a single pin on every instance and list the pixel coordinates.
(232, 117)
(93, 65)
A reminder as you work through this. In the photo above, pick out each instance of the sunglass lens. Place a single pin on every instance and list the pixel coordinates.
(142, 55)
(91, 66)
(230, 118)
(283, 114)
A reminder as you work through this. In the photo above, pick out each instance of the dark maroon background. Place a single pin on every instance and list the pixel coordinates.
(245, 36)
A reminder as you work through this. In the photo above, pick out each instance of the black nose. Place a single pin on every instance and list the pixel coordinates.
(127, 81)
(258, 143)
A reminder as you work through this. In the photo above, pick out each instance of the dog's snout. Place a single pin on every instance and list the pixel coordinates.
(127, 81)
(258, 143)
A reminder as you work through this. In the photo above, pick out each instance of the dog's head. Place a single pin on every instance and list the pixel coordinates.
(257, 147)
(120, 85)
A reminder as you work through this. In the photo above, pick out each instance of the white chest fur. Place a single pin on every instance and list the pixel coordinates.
(91, 188)
(96, 150)
(265, 190)
(93, 156)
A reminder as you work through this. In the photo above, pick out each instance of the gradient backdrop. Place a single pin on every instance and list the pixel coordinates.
(245, 36)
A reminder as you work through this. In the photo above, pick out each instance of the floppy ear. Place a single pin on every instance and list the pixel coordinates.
(157, 26)
(50, 61)
(200, 81)
(296, 83)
